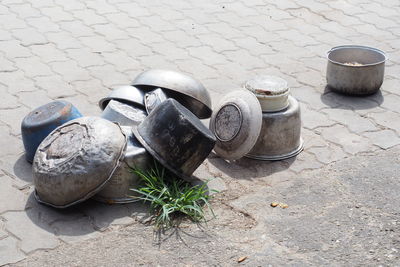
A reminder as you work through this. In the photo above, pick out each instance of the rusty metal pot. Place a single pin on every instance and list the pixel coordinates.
(76, 161)
(176, 138)
(186, 90)
(118, 189)
(280, 135)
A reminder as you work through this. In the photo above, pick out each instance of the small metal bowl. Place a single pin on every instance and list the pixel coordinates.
(355, 69)
(126, 94)
(186, 90)
(124, 114)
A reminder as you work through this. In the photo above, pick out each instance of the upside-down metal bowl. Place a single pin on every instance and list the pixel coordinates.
(126, 94)
(124, 114)
(76, 160)
(355, 69)
(186, 90)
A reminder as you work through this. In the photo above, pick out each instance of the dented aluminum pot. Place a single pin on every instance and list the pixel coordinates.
(124, 114)
(176, 138)
(77, 160)
(280, 134)
(183, 88)
(126, 94)
(118, 189)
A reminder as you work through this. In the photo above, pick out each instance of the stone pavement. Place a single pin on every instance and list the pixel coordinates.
(79, 50)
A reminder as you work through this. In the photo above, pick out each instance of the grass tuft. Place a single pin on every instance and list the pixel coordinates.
(170, 197)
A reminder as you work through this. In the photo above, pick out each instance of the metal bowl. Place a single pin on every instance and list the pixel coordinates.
(42, 121)
(176, 138)
(186, 90)
(118, 189)
(355, 69)
(126, 94)
(124, 114)
(76, 160)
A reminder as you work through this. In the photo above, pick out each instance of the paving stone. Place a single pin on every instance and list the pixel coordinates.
(49, 53)
(384, 139)
(34, 99)
(89, 17)
(56, 14)
(63, 40)
(85, 57)
(70, 5)
(122, 61)
(77, 29)
(13, 22)
(109, 76)
(387, 119)
(32, 66)
(70, 71)
(13, 119)
(350, 143)
(43, 24)
(28, 227)
(16, 167)
(25, 11)
(97, 44)
(328, 154)
(110, 32)
(93, 89)
(75, 230)
(14, 49)
(304, 161)
(391, 102)
(14, 199)
(9, 252)
(54, 86)
(312, 119)
(101, 7)
(8, 101)
(351, 120)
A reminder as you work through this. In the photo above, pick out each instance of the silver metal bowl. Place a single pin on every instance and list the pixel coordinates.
(118, 189)
(124, 114)
(355, 69)
(126, 94)
(186, 90)
(76, 160)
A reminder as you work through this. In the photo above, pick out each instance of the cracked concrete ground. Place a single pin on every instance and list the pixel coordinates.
(341, 190)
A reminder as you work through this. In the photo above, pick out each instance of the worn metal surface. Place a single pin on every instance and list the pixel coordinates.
(40, 122)
(236, 122)
(118, 189)
(127, 94)
(280, 135)
(124, 114)
(76, 160)
(188, 91)
(176, 138)
(153, 98)
(271, 91)
(362, 79)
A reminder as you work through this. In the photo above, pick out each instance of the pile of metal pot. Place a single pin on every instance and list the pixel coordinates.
(156, 118)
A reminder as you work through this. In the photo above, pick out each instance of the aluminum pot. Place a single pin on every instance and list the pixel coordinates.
(280, 134)
(76, 160)
(126, 94)
(118, 189)
(186, 90)
(124, 114)
(176, 138)
(355, 69)
(42, 121)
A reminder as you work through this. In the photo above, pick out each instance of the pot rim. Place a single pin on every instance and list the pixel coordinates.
(357, 46)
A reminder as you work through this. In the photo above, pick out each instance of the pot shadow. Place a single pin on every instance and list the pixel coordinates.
(84, 218)
(338, 100)
(248, 169)
(22, 169)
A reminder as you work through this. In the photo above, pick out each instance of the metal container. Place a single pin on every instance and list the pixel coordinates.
(76, 160)
(355, 69)
(118, 189)
(176, 138)
(186, 90)
(124, 114)
(280, 135)
(154, 98)
(126, 94)
(271, 91)
(236, 122)
(41, 121)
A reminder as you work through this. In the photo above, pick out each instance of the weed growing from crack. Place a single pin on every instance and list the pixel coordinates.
(170, 197)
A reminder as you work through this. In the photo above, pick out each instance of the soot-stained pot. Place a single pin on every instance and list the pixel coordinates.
(41, 121)
(280, 135)
(118, 189)
(124, 114)
(355, 69)
(76, 161)
(183, 88)
(176, 138)
(236, 123)
(130, 95)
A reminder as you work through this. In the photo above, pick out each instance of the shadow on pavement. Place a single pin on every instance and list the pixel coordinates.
(23, 169)
(342, 101)
(245, 168)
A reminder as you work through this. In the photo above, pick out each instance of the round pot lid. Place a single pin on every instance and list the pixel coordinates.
(236, 122)
(267, 85)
